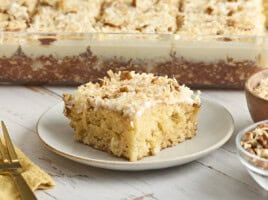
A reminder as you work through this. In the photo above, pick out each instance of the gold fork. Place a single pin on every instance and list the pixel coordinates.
(11, 165)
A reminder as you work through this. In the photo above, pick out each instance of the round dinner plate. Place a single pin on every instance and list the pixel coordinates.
(215, 127)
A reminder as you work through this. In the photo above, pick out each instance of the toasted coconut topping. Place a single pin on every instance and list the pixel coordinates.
(131, 93)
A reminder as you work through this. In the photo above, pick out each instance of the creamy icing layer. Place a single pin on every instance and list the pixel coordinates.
(133, 48)
(131, 93)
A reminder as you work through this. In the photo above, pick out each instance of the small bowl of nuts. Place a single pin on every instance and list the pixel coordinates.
(256, 89)
(252, 149)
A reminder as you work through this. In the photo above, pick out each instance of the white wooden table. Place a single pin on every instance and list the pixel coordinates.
(217, 176)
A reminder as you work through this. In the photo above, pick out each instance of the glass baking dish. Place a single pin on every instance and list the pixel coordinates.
(205, 61)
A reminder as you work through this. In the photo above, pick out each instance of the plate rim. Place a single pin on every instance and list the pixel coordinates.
(98, 162)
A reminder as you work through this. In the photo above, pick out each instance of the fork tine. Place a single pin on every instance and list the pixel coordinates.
(9, 145)
(3, 153)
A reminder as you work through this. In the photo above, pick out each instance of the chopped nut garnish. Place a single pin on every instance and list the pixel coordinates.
(124, 89)
(230, 22)
(256, 141)
(209, 10)
(126, 75)
(134, 3)
(102, 82)
(230, 13)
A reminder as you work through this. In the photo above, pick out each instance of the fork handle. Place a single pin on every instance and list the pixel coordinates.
(25, 191)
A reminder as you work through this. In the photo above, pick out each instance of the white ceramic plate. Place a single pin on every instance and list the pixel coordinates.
(215, 128)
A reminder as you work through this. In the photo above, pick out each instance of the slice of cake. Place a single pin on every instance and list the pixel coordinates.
(132, 115)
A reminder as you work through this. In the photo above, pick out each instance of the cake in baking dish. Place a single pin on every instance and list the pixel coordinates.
(202, 43)
(132, 115)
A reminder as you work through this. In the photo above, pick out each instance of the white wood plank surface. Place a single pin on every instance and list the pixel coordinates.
(216, 176)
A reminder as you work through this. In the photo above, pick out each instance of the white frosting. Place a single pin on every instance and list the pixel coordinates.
(213, 51)
(131, 93)
(131, 48)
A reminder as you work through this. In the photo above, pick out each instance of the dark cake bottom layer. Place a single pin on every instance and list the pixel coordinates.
(80, 69)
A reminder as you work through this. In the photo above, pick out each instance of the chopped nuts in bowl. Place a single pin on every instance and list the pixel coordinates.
(252, 149)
